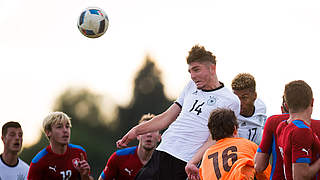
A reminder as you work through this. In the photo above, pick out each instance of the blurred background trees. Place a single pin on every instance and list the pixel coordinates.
(97, 122)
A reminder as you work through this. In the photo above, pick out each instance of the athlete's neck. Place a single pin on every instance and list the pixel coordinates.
(304, 116)
(144, 155)
(10, 158)
(58, 148)
(248, 112)
(213, 85)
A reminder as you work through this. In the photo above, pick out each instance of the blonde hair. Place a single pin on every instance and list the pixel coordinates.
(146, 117)
(244, 81)
(54, 118)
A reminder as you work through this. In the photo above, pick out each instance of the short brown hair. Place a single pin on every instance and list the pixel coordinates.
(298, 96)
(9, 125)
(244, 81)
(146, 117)
(200, 54)
(222, 123)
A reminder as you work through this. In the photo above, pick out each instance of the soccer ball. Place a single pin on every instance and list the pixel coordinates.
(93, 22)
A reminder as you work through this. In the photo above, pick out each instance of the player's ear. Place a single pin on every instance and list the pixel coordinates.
(235, 132)
(212, 67)
(48, 133)
(159, 137)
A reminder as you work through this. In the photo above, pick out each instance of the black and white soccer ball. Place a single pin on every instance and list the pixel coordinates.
(93, 22)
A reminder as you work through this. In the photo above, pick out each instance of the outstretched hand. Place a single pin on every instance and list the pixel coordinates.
(192, 171)
(131, 135)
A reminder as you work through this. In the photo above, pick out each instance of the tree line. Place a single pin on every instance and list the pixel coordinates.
(97, 127)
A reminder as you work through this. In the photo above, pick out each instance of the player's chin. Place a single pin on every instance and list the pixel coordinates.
(199, 85)
(64, 142)
(149, 147)
(15, 149)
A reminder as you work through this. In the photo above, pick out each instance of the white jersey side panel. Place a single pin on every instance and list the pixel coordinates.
(189, 131)
(19, 172)
(252, 127)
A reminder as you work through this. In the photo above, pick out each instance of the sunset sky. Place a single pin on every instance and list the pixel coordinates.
(42, 51)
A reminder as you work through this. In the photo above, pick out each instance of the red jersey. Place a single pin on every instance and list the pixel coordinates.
(269, 146)
(51, 166)
(123, 164)
(296, 143)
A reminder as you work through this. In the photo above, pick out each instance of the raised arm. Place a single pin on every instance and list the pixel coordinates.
(191, 167)
(159, 122)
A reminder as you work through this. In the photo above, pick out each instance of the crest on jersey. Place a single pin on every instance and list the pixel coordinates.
(212, 100)
(75, 162)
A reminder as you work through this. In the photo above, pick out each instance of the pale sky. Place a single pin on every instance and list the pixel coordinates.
(42, 52)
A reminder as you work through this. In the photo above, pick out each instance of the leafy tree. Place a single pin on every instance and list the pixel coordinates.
(97, 131)
(88, 127)
(148, 97)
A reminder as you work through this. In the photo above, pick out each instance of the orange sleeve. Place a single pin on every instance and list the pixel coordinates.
(200, 173)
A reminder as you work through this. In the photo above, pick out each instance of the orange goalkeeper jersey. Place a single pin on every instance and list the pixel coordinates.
(231, 159)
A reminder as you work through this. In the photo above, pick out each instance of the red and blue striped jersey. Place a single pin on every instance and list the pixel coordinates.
(123, 164)
(51, 166)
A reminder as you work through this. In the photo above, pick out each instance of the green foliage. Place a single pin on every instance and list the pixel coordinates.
(89, 127)
(148, 97)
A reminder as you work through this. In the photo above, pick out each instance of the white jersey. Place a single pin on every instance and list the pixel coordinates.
(17, 172)
(190, 130)
(252, 127)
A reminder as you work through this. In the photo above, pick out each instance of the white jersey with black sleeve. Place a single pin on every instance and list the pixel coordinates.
(252, 127)
(189, 131)
(18, 171)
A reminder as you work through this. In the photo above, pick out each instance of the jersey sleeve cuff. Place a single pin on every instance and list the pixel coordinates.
(303, 160)
(178, 104)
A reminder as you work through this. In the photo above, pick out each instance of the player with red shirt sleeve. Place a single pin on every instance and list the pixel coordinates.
(302, 142)
(296, 142)
(268, 146)
(295, 139)
(110, 170)
(49, 165)
(124, 164)
(60, 160)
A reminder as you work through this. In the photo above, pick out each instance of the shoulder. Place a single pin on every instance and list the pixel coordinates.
(277, 119)
(76, 147)
(126, 151)
(315, 126)
(23, 164)
(280, 127)
(190, 86)
(260, 106)
(242, 144)
(40, 156)
(300, 125)
(227, 96)
(244, 141)
(300, 131)
(301, 134)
